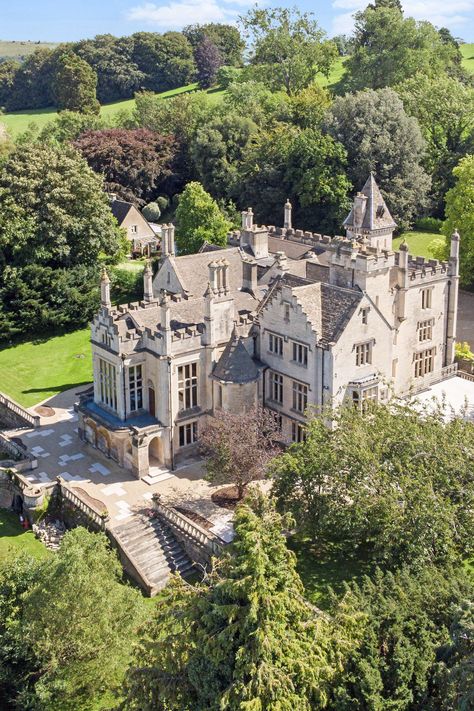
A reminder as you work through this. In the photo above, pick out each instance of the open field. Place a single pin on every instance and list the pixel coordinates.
(13, 539)
(35, 370)
(467, 51)
(418, 242)
(19, 48)
(19, 121)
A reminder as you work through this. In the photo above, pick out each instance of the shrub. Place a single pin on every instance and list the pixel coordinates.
(152, 212)
(429, 224)
(463, 351)
(163, 202)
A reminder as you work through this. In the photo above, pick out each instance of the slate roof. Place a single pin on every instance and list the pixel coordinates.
(235, 364)
(328, 307)
(120, 209)
(377, 215)
(193, 270)
(293, 250)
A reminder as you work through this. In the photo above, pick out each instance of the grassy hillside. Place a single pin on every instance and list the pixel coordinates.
(468, 57)
(19, 121)
(19, 49)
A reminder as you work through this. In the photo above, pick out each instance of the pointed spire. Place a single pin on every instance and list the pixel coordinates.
(148, 282)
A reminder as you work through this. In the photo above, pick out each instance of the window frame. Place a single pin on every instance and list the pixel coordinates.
(363, 353)
(300, 354)
(135, 387)
(300, 393)
(275, 345)
(108, 384)
(424, 362)
(275, 381)
(187, 434)
(188, 395)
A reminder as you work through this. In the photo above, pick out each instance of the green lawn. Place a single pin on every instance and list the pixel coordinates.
(417, 242)
(335, 75)
(18, 121)
(13, 539)
(467, 51)
(319, 573)
(35, 370)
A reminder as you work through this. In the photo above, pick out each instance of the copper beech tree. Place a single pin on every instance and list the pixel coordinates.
(239, 447)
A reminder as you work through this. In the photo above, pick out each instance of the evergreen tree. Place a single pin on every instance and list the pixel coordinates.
(245, 638)
(75, 85)
(199, 220)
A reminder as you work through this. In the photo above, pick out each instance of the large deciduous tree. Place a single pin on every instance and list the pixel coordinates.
(393, 483)
(289, 49)
(238, 447)
(389, 48)
(118, 77)
(134, 162)
(71, 622)
(444, 108)
(460, 215)
(245, 638)
(380, 137)
(199, 220)
(75, 84)
(226, 38)
(303, 165)
(166, 61)
(53, 210)
(218, 150)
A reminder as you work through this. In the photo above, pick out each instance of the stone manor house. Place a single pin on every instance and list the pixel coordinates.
(281, 317)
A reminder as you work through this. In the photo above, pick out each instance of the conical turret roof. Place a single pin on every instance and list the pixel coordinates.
(377, 215)
(235, 364)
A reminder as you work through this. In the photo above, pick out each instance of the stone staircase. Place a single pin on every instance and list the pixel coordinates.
(151, 548)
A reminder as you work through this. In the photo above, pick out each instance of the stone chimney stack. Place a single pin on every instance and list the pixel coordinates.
(282, 261)
(148, 283)
(167, 240)
(105, 290)
(287, 220)
(247, 219)
(112, 197)
(213, 283)
(249, 276)
(224, 283)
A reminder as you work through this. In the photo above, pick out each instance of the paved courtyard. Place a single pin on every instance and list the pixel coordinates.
(457, 394)
(59, 451)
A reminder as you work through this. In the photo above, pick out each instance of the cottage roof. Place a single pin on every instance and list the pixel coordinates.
(377, 215)
(235, 364)
(328, 307)
(120, 209)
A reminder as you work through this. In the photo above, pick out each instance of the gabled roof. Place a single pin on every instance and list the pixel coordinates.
(235, 364)
(377, 215)
(120, 209)
(328, 307)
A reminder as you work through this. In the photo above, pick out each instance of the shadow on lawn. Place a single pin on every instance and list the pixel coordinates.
(322, 570)
(56, 388)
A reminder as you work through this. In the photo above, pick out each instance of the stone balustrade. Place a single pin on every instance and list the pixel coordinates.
(205, 545)
(72, 496)
(25, 416)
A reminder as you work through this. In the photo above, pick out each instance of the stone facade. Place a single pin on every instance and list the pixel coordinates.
(281, 317)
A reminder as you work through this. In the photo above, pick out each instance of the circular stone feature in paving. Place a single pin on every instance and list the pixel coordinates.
(44, 411)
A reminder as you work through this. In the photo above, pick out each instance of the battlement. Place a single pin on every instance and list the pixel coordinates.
(421, 269)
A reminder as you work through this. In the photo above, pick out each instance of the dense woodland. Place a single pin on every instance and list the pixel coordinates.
(403, 109)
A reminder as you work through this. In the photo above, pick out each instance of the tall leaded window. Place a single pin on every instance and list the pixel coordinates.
(187, 386)
(135, 385)
(188, 434)
(426, 298)
(275, 344)
(276, 387)
(425, 330)
(108, 384)
(424, 362)
(300, 354)
(300, 396)
(364, 353)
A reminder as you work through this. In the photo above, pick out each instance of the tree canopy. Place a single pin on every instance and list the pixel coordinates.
(380, 137)
(199, 220)
(243, 638)
(289, 49)
(75, 85)
(460, 215)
